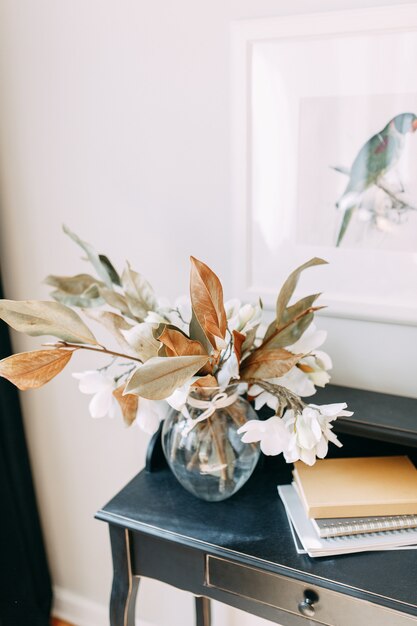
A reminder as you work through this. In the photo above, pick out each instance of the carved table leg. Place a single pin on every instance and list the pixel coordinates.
(202, 611)
(125, 585)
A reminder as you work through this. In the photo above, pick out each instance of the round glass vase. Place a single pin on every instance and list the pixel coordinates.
(203, 449)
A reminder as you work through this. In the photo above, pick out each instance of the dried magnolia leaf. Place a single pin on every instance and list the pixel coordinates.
(93, 257)
(115, 278)
(292, 312)
(88, 300)
(268, 363)
(141, 340)
(117, 301)
(36, 318)
(207, 301)
(76, 291)
(198, 334)
(30, 370)
(73, 285)
(114, 323)
(177, 344)
(291, 334)
(289, 286)
(249, 339)
(297, 309)
(139, 294)
(238, 341)
(206, 381)
(128, 403)
(160, 376)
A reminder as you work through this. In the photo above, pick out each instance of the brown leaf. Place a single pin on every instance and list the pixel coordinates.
(30, 370)
(238, 341)
(177, 344)
(207, 301)
(206, 381)
(268, 363)
(128, 403)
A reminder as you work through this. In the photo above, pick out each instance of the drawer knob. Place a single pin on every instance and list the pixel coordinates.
(306, 606)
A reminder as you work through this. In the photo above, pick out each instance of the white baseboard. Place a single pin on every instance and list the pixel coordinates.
(80, 611)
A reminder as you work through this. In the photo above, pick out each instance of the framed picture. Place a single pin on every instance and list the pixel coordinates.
(324, 158)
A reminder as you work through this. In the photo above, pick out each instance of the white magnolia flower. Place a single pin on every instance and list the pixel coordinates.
(178, 314)
(155, 319)
(302, 379)
(229, 370)
(150, 414)
(178, 399)
(311, 431)
(272, 434)
(242, 318)
(101, 385)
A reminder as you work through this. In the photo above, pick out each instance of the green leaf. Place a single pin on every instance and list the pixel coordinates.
(139, 294)
(115, 278)
(292, 312)
(288, 288)
(160, 376)
(73, 285)
(81, 290)
(93, 257)
(37, 318)
(292, 333)
(198, 334)
(87, 300)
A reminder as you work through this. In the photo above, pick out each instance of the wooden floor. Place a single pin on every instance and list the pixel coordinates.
(58, 622)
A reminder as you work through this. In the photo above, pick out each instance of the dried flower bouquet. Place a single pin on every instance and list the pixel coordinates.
(163, 351)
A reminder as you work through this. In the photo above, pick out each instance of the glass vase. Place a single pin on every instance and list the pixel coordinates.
(202, 446)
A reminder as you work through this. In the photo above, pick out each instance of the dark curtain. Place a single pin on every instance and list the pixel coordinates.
(25, 586)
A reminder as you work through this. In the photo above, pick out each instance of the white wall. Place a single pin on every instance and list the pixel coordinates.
(114, 118)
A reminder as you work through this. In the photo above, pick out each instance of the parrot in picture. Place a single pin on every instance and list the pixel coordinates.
(376, 157)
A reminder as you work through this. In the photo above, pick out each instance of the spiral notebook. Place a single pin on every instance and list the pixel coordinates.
(338, 526)
(316, 546)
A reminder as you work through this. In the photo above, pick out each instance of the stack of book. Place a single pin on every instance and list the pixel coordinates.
(339, 506)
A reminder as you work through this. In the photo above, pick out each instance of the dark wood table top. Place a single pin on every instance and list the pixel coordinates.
(252, 528)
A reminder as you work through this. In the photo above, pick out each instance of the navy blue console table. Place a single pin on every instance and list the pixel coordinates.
(241, 551)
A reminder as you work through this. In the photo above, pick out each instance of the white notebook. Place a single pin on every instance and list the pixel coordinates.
(317, 546)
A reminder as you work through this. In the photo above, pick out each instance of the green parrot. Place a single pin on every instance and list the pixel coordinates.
(376, 157)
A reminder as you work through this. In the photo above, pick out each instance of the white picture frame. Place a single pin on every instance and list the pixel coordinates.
(277, 65)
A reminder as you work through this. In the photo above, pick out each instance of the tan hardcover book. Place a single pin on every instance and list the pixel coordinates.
(358, 487)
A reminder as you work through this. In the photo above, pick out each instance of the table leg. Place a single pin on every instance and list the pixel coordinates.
(202, 611)
(125, 585)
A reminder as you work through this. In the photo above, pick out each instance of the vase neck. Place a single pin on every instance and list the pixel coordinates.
(209, 394)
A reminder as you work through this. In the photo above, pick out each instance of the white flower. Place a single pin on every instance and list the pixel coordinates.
(155, 318)
(101, 385)
(242, 318)
(178, 399)
(150, 414)
(229, 370)
(309, 340)
(272, 434)
(179, 315)
(310, 432)
(311, 371)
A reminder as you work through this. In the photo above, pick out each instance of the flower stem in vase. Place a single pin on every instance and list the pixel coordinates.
(219, 442)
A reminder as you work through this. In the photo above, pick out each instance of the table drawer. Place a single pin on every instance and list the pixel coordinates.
(319, 605)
